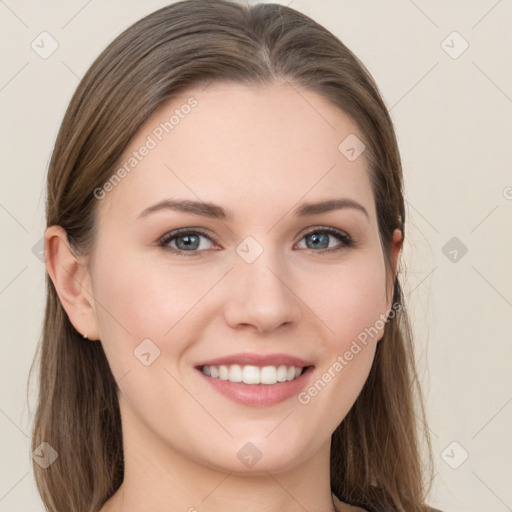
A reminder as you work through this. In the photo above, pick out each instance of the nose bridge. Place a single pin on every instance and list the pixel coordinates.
(260, 294)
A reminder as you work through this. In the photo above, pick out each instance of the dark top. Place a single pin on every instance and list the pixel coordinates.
(359, 509)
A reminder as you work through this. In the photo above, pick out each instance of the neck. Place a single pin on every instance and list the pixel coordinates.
(159, 477)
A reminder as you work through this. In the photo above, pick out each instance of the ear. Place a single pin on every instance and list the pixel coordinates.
(396, 247)
(71, 280)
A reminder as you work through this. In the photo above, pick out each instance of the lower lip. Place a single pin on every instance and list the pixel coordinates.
(259, 395)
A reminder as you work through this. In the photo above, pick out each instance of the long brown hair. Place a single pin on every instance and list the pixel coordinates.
(376, 458)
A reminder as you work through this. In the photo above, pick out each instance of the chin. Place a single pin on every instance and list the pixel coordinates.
(260, 455)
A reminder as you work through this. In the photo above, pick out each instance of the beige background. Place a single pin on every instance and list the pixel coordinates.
(453, 119)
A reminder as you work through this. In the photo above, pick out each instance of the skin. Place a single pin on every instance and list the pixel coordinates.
(259, 153)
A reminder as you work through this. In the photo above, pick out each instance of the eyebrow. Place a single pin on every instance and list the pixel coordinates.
(214, 211)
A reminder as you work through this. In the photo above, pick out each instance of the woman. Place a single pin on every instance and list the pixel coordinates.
(225, 327)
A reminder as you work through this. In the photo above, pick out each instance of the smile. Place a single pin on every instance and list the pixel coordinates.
(250, 374)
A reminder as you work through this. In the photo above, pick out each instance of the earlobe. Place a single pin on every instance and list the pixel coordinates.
(71, 280)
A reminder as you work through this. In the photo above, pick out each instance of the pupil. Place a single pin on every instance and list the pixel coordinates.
(318, 239)
(188, 240)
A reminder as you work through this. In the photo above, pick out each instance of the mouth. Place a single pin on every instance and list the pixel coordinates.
(256, 380)
(250, 374)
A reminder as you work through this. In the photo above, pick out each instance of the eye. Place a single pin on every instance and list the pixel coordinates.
(321, 238)
(185, 240)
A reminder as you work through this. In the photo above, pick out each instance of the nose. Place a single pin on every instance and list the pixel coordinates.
(261, 295)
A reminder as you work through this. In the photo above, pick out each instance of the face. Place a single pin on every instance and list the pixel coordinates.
(207, 266)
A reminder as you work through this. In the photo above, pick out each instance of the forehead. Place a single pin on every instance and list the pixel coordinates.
(241, 146)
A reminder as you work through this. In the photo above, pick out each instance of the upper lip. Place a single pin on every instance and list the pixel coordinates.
(257, 360)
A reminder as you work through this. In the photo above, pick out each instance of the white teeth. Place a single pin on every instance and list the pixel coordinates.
(250, 374)
(268, 375)
(282, 372)
(223, 372)
(235, 373)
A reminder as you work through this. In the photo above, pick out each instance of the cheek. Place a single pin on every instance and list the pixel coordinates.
(353, 300)
(145, 297)
(353, 310)
(141, 297)
(136, 300)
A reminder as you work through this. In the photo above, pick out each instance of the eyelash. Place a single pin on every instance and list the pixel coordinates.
(347, 242)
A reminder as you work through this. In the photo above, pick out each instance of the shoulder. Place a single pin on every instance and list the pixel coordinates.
(345, 507)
